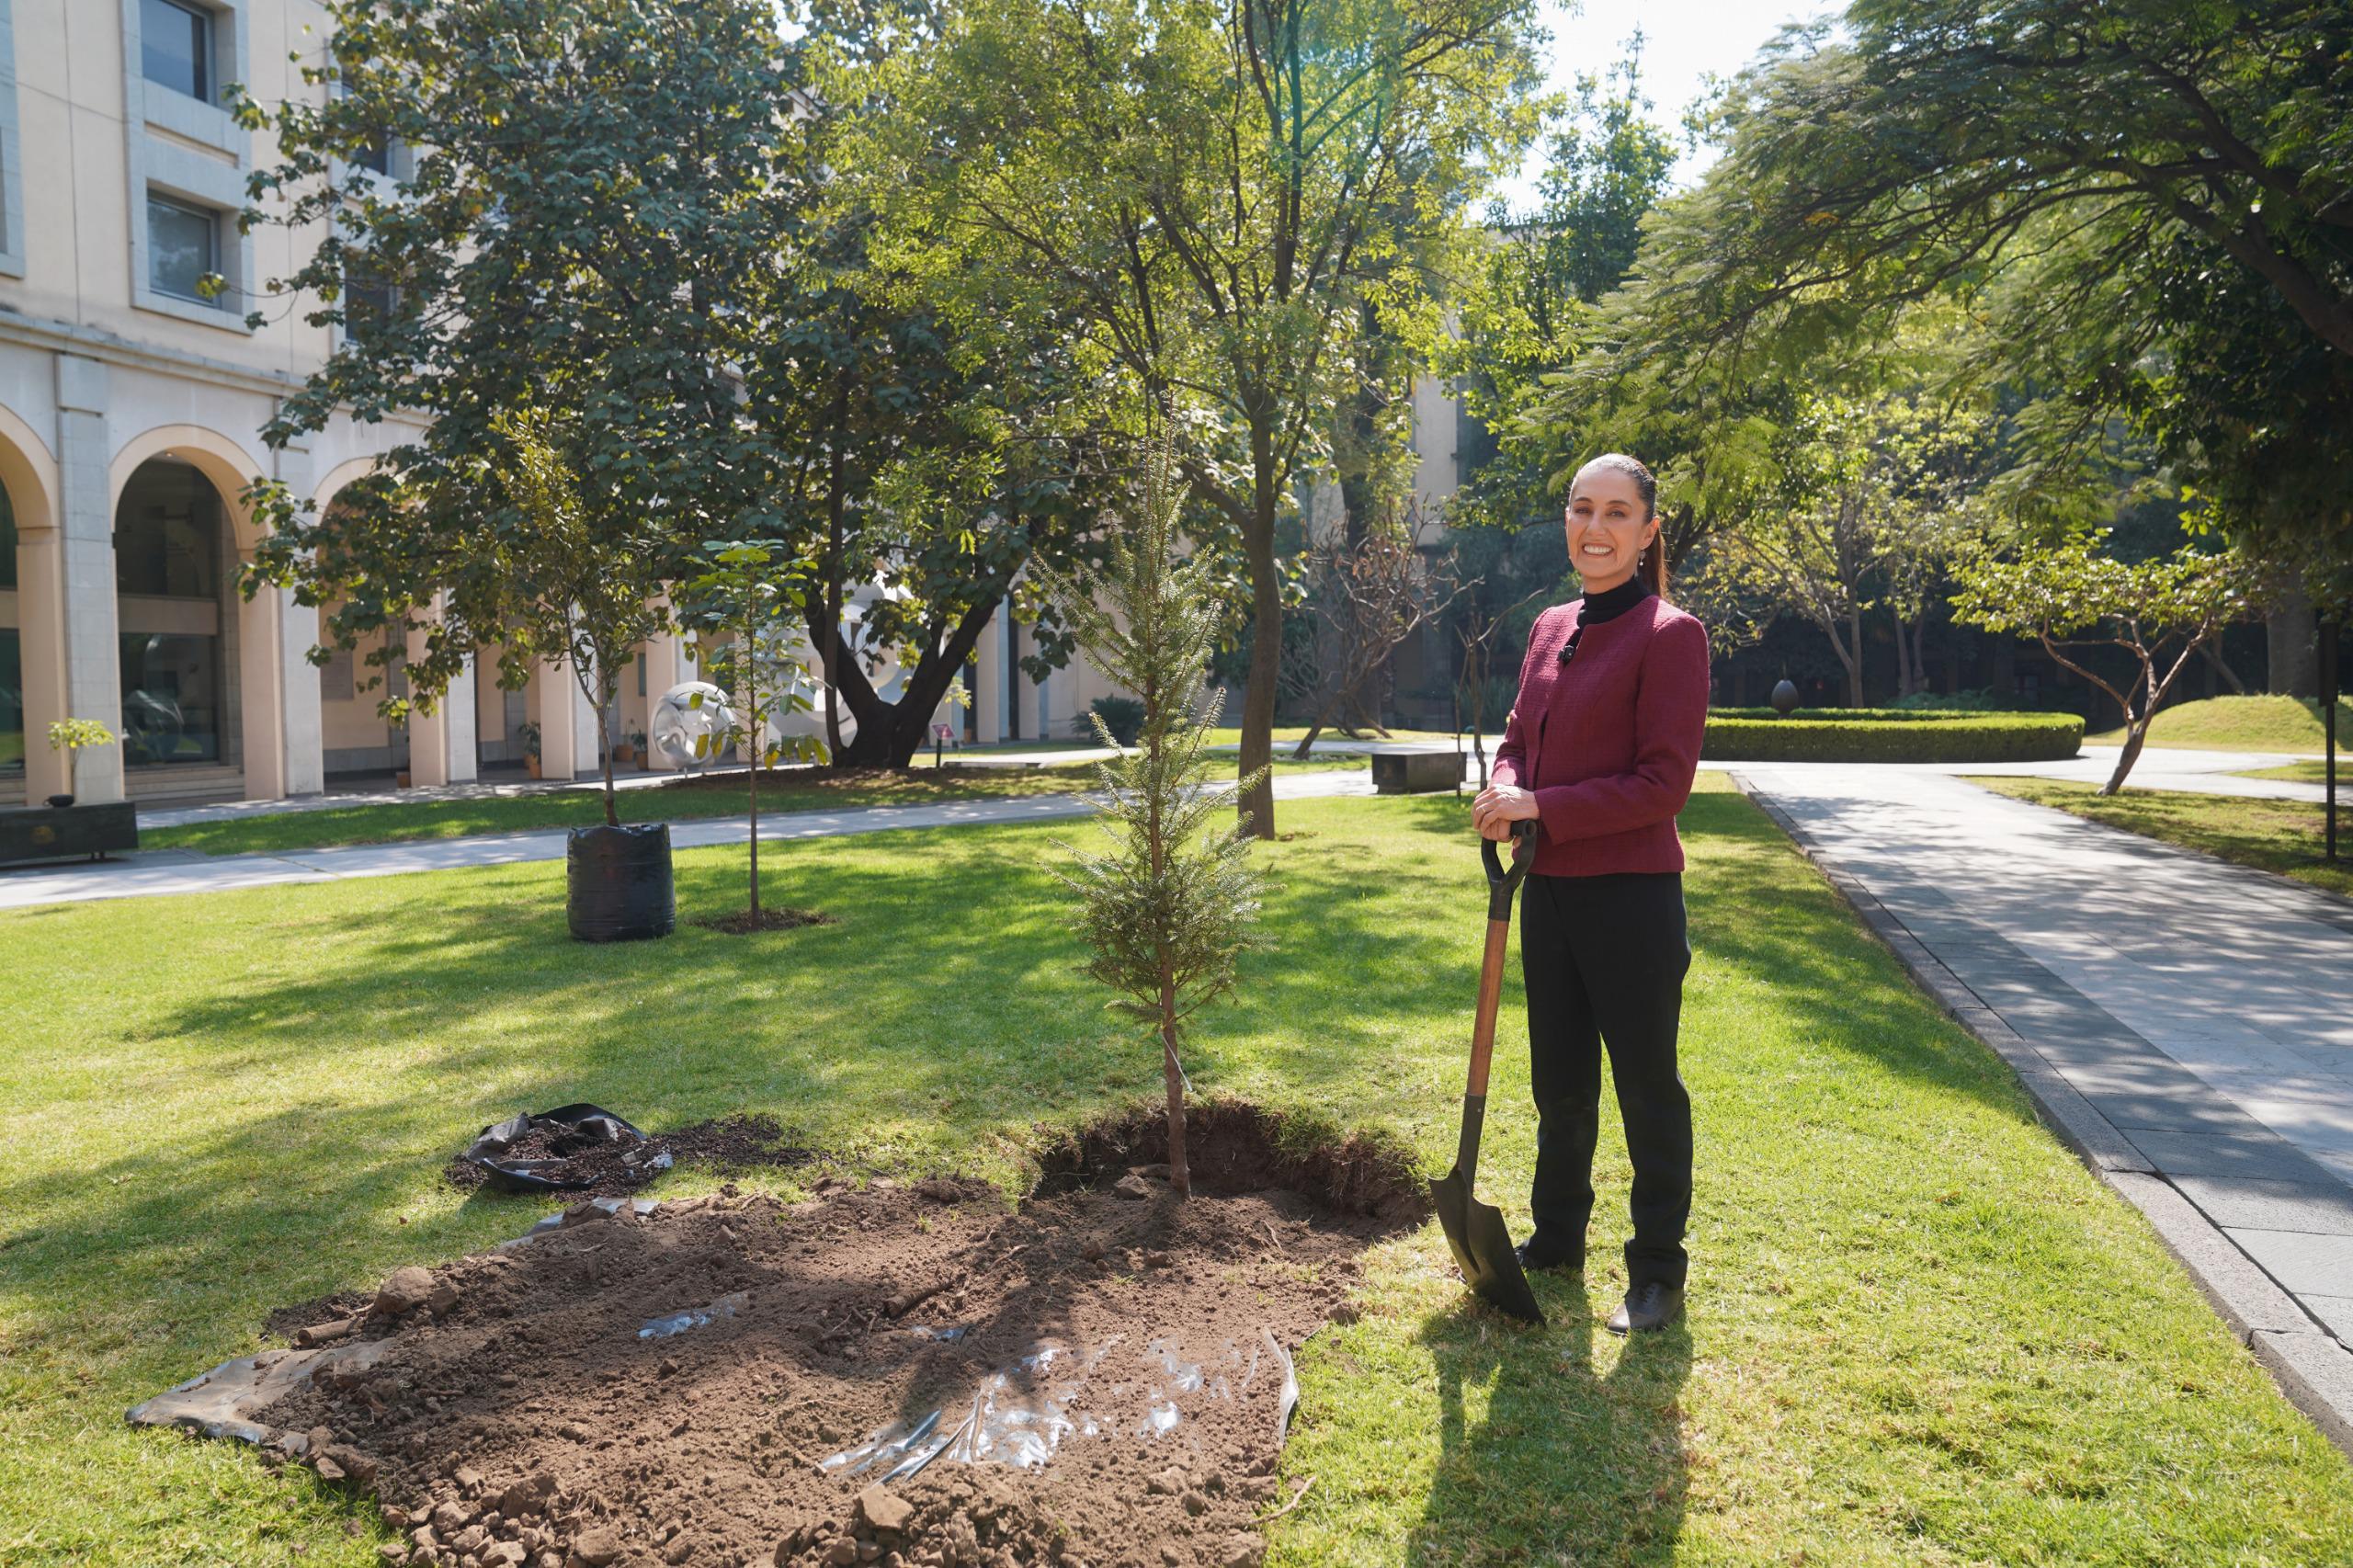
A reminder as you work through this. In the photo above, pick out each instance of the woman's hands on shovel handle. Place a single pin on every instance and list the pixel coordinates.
(1498, 806)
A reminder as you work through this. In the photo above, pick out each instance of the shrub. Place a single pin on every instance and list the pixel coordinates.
(1123, 716)
(1887, 735)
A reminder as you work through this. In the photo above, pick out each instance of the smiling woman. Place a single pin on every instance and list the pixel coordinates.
(1600, 748)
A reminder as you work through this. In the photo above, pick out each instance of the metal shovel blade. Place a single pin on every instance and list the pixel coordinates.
(1483, 1247)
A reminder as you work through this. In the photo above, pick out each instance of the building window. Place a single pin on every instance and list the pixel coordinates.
(175, 42)
(378, 156)
(183, 248)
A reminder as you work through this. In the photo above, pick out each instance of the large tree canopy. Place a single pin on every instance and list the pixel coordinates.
(1216, 188)
(583, 198)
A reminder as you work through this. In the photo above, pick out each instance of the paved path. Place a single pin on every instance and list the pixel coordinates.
(511, 788)
(155, 873)
(2187, 1025)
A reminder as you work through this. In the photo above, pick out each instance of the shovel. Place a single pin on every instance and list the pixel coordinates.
(1475, 1230)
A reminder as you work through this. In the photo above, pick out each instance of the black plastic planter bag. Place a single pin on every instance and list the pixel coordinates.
(580, 1126)
(619, 883)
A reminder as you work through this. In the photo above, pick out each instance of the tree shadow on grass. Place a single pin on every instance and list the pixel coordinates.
(1561, 1464)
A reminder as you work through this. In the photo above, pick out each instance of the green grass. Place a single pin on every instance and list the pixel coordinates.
(1920, 1332)
(723, 796)
(2286, 836)
(2314, 770)
(2240, 724)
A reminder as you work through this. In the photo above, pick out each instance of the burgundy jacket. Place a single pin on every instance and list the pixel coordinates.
(1609, 743)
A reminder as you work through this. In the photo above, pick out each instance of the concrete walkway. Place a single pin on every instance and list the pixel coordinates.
(156, 873)
(344, 797)
(2186, 1024)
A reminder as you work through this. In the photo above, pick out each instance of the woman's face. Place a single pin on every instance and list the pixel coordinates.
(1609, 528)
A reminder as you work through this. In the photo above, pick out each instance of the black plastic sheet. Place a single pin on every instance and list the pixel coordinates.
(585, 1125)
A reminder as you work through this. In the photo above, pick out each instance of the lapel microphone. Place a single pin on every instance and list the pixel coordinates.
(1570, 647)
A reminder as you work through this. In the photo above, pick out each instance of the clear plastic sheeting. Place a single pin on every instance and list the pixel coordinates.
(672, 1323)
(1021, 1416)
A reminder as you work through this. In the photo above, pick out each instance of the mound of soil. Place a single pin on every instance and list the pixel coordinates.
(615, 1169)
(1098, 1379)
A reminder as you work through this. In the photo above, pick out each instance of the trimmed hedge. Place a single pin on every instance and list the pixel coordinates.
(1889, 735)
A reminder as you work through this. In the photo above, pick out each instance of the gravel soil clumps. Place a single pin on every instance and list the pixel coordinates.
(1098, 1379)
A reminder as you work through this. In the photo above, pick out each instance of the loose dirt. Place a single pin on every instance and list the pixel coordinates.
(614, 1169)
(699, 1383)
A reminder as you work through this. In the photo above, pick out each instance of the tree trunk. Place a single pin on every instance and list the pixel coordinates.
(1902, 661)
(1256, 806)
(829, 649)
(752, 702)
(1855, 662)
(1180, 1174)
(2136, 730)
(2294, 650)
(2213, 652)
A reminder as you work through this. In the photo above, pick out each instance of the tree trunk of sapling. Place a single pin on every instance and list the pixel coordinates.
(1180, 1170)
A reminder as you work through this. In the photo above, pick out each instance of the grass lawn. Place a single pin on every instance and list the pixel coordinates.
(2314, 770)
(2273, 835)
(1921, 1333)
(2241, 724)
(722, 796)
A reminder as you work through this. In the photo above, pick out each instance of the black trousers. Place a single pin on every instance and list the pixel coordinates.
(1604, 959)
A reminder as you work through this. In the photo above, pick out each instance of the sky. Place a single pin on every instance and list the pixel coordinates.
(1683, 42)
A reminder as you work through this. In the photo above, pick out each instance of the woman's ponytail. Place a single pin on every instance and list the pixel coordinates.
(1653, 564)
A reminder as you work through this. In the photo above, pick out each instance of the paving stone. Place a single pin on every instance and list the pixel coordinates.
(2247, 1297)
(2244, 1203)
(2316, 1373)
(2335, 1313)
(2174, 1113)
(2301, 1260)
(2269, 1157)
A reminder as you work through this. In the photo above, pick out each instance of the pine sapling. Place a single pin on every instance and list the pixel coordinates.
(1169, 906)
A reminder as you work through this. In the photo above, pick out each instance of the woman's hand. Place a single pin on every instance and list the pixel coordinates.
(1500, 805)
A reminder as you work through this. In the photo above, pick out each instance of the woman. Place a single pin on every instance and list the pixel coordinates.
(1600, 748)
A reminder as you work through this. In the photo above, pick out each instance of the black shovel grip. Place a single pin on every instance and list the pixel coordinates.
(1501, 882)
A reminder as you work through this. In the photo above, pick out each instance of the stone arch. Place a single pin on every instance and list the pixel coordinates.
(32, 635)
(251, 680)
(227, 462)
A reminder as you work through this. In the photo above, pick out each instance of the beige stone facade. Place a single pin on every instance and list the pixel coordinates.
(130, 413)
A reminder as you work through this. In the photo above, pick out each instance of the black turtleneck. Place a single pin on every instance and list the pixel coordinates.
(1606, 605)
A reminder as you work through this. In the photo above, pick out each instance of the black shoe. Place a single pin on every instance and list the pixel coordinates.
(1536, 1253)
(1647, 1307)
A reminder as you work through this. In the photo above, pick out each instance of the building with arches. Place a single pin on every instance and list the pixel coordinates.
(131, 402)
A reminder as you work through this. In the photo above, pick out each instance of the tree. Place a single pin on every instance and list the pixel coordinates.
(1169, 908)
(585, 194)
(2072, 596)
(1217, 191)
(2101, 155)
(1368, 599)
(748, 593)
(576, 586)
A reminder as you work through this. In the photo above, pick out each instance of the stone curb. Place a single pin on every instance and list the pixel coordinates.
(2307, 1363)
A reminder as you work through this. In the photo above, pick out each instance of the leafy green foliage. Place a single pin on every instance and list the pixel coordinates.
(1169, 908)
(2072, 595)
(750, 591)
(1213, 195)
(1892, 735)
(2147, 199)
(589, 601)
(586, 197)
(1122, 718)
